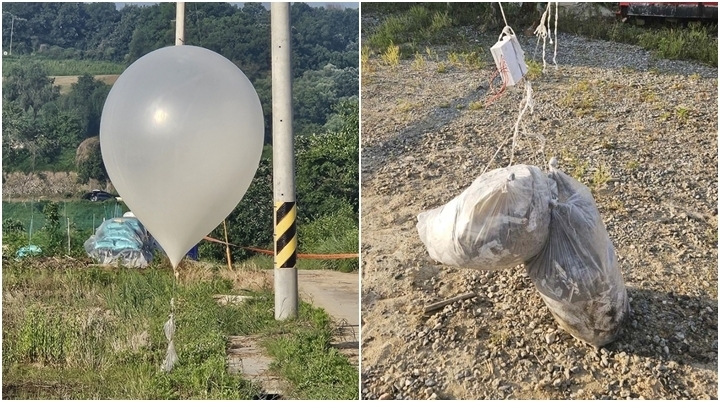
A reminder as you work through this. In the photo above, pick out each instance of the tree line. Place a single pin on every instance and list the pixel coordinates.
(99, 31)
(42, 129)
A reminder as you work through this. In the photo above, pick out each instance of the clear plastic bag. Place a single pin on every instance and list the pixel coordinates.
(171, 357)
(498, 222)
(577, 272)
(120, 241)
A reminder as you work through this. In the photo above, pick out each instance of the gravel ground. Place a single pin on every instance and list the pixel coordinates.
(640, 132)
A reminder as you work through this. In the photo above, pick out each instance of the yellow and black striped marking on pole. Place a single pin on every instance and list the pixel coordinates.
(285, 234)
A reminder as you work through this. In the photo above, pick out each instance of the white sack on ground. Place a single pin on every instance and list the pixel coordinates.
(577, 272)
(498, 222)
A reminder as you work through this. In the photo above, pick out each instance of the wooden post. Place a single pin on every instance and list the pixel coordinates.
(227, 246)
(437, 306)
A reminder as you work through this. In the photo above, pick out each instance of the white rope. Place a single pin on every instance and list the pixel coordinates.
(503, 14)
(556, 37)
(525, 104)
(544, 32)
(528, 102)
(171, 357)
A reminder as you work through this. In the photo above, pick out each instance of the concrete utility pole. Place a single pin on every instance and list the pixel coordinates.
(12, 27)
(286, 278)
(180, 24)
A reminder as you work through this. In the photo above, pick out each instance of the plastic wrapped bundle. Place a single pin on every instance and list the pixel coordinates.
(120, 240)
(577, 272)
(498, 222)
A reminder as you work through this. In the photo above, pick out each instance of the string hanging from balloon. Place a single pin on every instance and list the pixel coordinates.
(171, 357)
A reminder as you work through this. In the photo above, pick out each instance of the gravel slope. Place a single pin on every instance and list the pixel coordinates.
(641, 133)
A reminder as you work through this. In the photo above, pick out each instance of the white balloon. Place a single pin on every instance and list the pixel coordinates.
(181, 136)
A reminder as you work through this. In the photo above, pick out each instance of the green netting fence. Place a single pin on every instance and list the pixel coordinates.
(84, 216)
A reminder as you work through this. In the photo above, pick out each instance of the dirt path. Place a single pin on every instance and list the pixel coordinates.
(338, 294)
(335, 292)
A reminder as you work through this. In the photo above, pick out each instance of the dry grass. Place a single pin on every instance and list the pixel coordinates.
(247, 276)
(65, 81)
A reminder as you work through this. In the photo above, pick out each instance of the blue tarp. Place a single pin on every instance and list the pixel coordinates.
(26, 251)
(121, 241)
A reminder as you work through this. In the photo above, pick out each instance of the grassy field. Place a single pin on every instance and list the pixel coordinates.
(76, 331)
(67, 66)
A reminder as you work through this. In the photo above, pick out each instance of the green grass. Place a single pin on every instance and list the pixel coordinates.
(330, 234)
(573, 166)
(687, 43)
(391, 56)
(267, 152)
(304, 358)
(67, 66)
(682, 113)
(418, 24)
(476, 105)
(419, 62)
(79, 332)
(600, 177)
(535, 69)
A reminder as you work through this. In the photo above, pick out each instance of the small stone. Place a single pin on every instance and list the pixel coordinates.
(386, 396)
(550, 338)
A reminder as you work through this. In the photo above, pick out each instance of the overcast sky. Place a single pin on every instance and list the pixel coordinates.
(267, 5)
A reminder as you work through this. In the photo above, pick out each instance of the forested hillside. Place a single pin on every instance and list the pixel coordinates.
(43, 128)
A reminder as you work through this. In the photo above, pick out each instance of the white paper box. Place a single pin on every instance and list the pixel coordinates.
(508, 50)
